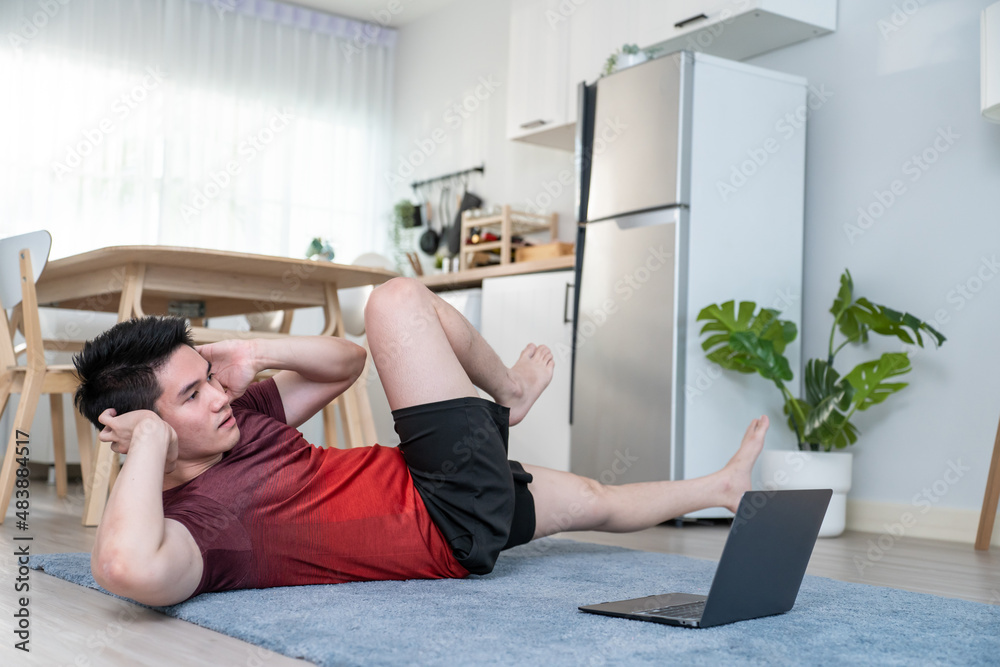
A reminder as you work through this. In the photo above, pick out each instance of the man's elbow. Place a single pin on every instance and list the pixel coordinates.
(110, 570)
(122, 575)
(358, 360)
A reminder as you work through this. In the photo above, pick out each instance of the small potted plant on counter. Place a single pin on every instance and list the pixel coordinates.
(746, 339)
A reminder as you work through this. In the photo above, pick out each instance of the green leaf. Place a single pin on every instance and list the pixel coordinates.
(820, 380)
(769, 327)
(760, 355)
(845, 318)
(726, 318)
(833, 432)
(869, 379)
(728, 358)
(797, 411)
(855, 317)
(823, 427)
(889, 322)
(744, 340)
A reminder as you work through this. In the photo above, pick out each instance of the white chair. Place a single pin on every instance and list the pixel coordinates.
(22, 259)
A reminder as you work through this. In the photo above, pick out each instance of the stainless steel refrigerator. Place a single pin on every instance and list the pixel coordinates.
(690, 193)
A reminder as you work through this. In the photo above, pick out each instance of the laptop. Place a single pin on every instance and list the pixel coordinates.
(759, 573)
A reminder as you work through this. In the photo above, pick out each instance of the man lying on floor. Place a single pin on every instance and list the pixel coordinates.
(220, 491)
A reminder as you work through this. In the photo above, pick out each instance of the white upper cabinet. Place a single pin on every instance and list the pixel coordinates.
(735, 29)
(597, 29)
(537, 103)
(556, 44)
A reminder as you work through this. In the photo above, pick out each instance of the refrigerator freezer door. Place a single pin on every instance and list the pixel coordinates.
(637, 145)
(622, 397)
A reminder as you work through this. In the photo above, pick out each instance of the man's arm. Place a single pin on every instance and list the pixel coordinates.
(137, 552)
(314, 370)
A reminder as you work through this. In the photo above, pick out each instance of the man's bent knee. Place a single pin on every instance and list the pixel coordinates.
(394, 299)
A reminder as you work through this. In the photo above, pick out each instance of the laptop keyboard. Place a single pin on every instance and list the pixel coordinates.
(690, 611)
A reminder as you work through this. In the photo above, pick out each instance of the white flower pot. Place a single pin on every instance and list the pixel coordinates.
(811, 470)
(630, 59)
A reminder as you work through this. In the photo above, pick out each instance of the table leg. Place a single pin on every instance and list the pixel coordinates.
(105, 468)
(355, 408)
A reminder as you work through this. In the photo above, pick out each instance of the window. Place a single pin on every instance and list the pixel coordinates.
(225, 124)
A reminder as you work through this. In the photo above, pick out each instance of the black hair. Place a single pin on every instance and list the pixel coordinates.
(117, 368)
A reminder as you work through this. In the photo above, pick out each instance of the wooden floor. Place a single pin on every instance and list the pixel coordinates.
(71, 625)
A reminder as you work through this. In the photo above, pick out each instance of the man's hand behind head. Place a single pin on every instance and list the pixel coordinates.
(234, 364)
(134, 429)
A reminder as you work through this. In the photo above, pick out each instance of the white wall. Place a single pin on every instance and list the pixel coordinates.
(894, 85)
(898, 83)
(451, 85)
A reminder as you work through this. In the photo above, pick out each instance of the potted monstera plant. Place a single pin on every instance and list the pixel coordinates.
(747, 339)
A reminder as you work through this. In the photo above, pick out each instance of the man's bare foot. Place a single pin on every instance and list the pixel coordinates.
(735, 477)
(530, 375)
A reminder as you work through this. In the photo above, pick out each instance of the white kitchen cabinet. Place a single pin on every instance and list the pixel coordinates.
(596, 30)
(535, 308)
(734, 29)
(537, 104)
(556, 44)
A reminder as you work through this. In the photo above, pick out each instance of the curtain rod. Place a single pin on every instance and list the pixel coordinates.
(481, 169)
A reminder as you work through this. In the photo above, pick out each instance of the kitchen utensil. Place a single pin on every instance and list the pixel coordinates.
(431, 239)
(469, 201)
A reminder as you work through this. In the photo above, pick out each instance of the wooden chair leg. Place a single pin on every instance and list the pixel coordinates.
(85, 444)
(6, 382)
(116, 467)
(352, 418)
(330, 424)
(30, 394)
(98, 497)
(368, 434)
(990, 499)
(58, 443)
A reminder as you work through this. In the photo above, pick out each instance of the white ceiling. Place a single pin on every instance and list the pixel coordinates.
(376, 11)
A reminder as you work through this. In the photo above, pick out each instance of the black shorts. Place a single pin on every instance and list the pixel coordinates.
(456, 451)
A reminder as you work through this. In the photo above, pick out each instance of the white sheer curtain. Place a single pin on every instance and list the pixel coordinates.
(231, 124)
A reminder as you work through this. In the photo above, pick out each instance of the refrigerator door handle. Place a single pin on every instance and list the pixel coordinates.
(566, 301)
(660, 216)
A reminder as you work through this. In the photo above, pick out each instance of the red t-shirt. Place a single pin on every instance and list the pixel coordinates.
(278, 511)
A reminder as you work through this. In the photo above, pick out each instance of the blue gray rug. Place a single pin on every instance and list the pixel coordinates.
(525, 612)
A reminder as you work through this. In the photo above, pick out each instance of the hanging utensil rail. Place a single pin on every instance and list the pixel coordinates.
(480, 169)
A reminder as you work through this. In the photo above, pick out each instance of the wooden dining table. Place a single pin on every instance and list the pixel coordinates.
(200, 285)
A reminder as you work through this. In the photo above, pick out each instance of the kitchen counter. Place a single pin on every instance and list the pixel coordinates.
(440, 282)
